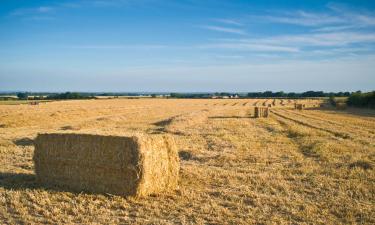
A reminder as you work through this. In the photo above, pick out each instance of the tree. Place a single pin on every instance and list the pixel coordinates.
(22, 95)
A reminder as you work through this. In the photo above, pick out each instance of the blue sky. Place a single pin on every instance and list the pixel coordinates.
(188, 45)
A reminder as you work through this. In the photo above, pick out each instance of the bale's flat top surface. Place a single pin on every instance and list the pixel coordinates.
(314, 166)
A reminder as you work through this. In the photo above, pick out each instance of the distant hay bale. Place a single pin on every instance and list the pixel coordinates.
(261, 112)
(341, 105)
(128, 166)
(34, 103)
(299, 106)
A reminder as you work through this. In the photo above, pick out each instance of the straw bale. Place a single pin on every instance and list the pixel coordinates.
(137, 165)
(260, 112)
(341, 105)
(299, 106)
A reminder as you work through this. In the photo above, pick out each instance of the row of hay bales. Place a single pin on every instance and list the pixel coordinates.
(301, 106)
(262, 112)
(137, 165)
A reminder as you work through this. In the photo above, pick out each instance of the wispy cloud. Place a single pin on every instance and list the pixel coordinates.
(114, 47)
(358, 18)
(229, 56)
(224, 29)
(32, 11)
(336, 17)
(302, 18)
(109, 3)
(229, 22)
(252, 47)
(46, 9)
(322, 39)
(335, 28)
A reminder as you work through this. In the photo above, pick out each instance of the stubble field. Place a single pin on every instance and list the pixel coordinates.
(314, 166)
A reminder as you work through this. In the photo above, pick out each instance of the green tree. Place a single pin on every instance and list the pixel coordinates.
(22, 95)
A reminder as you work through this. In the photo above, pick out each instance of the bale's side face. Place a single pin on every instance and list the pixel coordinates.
(104, 164)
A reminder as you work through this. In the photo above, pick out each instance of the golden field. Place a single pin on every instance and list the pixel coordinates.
(314, 166)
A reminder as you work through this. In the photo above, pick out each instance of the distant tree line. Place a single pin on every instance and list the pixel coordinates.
(265, 94)
(190, 95)
(359, 99)
(22, 95)
(70, 95)
(307, 94)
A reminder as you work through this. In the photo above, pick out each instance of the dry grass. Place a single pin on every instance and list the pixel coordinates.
(314, 166)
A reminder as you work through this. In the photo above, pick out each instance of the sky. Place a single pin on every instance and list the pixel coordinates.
(187, 45)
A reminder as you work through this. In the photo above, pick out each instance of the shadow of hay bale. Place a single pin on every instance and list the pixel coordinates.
(15, 181)
(185, 155)
(163, 123)
(23, 181)
(24, 142)
(361, 164)
(70, 128)
(230, 117)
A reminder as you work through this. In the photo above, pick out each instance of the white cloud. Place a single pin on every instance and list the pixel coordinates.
(335, 28)
(224, 29)
(229, 22)
(337, 16)
(249, 47)
(302, 18)
(32, 11)
(106, 47)
(323, 39)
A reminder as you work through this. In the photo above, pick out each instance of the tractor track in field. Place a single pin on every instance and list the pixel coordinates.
(343, 135)
(337, 134)
(360, 122)
(302, 148)
(353, 128)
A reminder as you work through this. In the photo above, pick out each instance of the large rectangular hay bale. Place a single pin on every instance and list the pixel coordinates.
(299, 106)
(341, 105)
(129, 166)
(260, 112)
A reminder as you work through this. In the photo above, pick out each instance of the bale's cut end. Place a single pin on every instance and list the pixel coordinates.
(129, 166)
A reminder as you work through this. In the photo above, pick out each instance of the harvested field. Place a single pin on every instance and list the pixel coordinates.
(314, 166)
